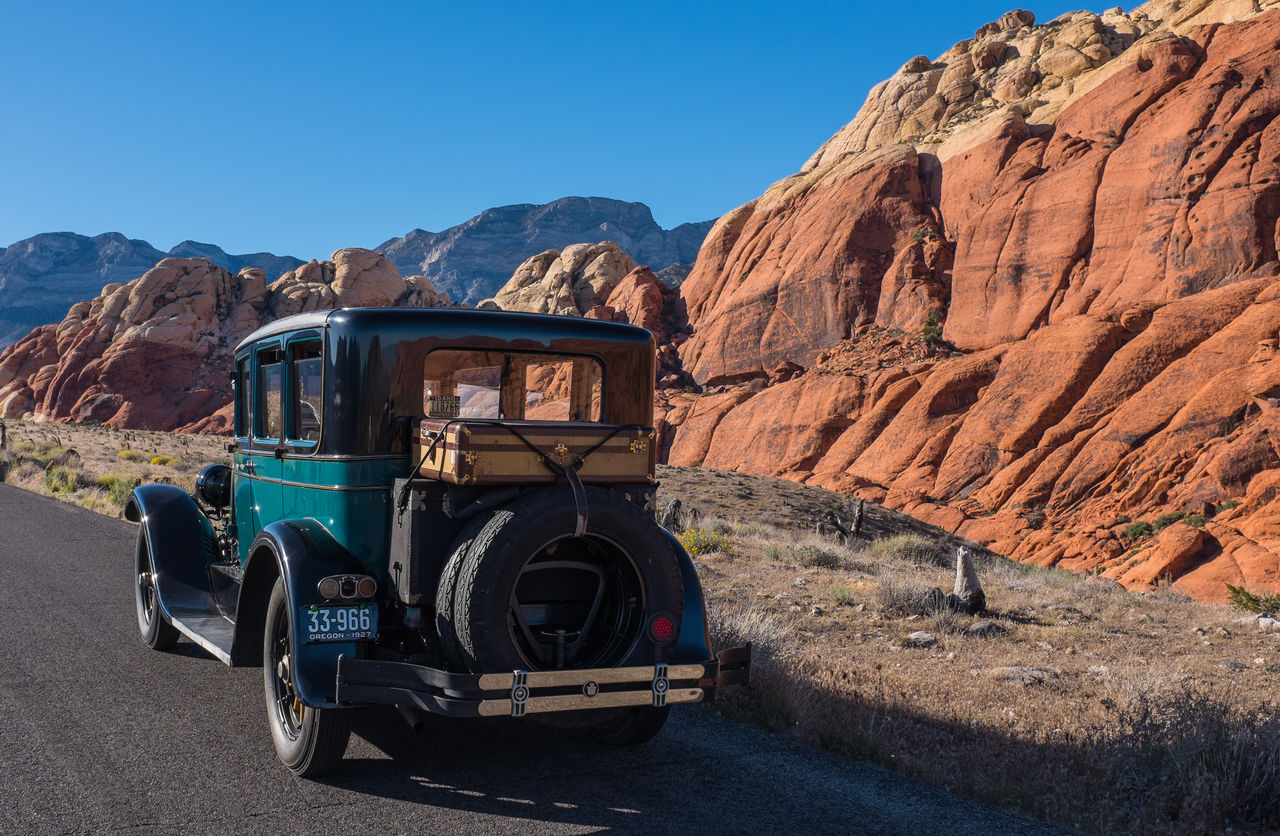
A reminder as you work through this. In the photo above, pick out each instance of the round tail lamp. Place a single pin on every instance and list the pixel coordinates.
(662, 628)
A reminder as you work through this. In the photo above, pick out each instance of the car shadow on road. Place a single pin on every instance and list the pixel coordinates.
(527, 770)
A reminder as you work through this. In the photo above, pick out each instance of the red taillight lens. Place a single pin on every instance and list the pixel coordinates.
(330, 588)
(366, 588)
(662, 628)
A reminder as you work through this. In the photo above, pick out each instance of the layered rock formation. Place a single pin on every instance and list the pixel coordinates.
(566, 282)
(598, 281)
(155, 352)
(1086, 214)
(42, 276)
(473, 260)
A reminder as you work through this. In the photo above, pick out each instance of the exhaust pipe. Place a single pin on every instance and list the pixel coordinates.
(416, 718)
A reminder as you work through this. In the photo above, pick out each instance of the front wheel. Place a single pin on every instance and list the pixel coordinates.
(157, 633)
(310, 741)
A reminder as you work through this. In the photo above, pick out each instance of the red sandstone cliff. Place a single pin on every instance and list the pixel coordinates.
(1091, 207)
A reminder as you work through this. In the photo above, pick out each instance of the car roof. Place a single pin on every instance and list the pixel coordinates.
(501, 324)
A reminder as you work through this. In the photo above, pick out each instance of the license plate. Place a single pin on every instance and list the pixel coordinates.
(353, 622)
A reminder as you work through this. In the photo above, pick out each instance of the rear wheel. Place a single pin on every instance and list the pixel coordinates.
(629, 726)
(310, 741)
(157, 633)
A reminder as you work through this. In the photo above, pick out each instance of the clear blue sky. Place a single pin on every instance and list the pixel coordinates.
(300, 128)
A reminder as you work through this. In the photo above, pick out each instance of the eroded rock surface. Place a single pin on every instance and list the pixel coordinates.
(1087, 214)
(566, 282)
(155, 352)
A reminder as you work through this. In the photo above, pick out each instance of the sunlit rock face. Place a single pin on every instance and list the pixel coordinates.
(1085, 214)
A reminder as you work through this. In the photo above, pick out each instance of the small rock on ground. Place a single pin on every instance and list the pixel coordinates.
(920, 638)
(1022, 675)
(984, 628)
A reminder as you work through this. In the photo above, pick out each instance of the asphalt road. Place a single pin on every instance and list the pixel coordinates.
(100, 734)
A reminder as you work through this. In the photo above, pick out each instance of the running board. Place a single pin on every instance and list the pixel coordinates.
(214, 633)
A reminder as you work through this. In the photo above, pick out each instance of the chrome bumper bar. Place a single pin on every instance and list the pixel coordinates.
(518, 693)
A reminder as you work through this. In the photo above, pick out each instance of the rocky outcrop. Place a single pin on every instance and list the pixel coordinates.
(473, 260)
(1076, 224)
(155, 352)
(566, 282)
(42, 276)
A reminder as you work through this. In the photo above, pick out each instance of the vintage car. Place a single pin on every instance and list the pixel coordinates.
(448, 511)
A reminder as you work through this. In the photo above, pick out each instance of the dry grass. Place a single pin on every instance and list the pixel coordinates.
(96, 466)
(1139, 714)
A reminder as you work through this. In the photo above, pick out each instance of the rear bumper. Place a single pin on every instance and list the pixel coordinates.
(515, 694)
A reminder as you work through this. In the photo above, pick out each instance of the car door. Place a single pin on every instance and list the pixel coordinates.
(305, 478)
(257, 477)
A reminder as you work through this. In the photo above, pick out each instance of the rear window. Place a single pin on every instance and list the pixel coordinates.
(511, 386)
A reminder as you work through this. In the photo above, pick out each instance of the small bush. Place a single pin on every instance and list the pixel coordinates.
(1139, 529)
(1165, 520)
(60, 480)
(897, 596)
(1121, 519)
(842, 596)
(700, 541)
(812, 556)
(911, 547)
(1035, 519)
(162, 460)
(773, 552)
(1243, 599)
(131, 456)
(117, 487)
(1196, 520)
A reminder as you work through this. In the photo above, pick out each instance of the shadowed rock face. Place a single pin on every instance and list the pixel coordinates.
(42, 276)
(473, 260)
(154, 353)
(1088, 213)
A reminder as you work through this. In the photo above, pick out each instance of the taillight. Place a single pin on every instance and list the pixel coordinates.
(347, 586)
(662, 628)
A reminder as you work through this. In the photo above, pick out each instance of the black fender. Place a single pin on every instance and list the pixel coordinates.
(300, 552)
(694, 643)
(182, 543)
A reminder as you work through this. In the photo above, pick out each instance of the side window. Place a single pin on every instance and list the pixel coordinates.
(305, 404)
(267, 418)
(243, 396)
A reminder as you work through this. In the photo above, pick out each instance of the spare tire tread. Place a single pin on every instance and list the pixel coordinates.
(445, 613)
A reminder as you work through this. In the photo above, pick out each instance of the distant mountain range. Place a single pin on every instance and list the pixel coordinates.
(42, 276)
(472, 260)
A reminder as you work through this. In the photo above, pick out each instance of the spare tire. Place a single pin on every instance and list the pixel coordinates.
(530, 595)
(444, 593)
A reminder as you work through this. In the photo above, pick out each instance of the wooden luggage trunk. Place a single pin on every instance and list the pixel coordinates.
(499, 452)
